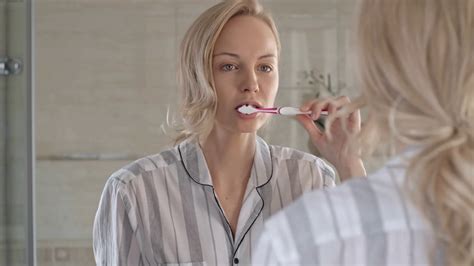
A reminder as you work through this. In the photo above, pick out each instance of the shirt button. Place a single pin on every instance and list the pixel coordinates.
(236, 260)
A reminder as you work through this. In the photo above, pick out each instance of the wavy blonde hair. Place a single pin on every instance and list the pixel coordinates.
(195, 77)
(416, 69)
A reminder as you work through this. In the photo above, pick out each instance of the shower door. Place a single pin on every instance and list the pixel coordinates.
(16, 134)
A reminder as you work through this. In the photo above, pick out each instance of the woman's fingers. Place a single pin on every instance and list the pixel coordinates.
(313, 131)
(316, 106)
(331, 105)
(337, 103)
(355, 121)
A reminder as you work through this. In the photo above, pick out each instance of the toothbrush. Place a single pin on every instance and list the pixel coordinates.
(285, 110)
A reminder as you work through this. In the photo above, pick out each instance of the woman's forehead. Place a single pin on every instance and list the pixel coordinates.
(246, 35)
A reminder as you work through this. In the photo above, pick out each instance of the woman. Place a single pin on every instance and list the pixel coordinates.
(204, 201)
(416, 62)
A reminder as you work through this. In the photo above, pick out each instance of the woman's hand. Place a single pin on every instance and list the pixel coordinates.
(334, 149)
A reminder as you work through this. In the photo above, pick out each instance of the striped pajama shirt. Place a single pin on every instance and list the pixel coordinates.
(365, 221)
(163, 210)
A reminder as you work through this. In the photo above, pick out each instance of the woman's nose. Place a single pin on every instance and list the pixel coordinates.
(250, 82)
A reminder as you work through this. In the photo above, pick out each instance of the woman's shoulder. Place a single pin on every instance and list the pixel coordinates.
(146, 165)
(287, 153)
(282, 154)
(352, 206)
(329, 214)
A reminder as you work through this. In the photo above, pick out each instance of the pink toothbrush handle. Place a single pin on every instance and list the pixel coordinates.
(286, 111)
(295, 111)
(268, 110)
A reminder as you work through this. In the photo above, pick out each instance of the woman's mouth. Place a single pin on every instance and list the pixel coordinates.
(245, 110)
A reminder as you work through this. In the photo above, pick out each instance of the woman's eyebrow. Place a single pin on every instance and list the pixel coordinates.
(267, 56)
(228, 54)
(237, 56)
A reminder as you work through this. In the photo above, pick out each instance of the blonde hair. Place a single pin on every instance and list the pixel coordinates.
(195, 76)
(416, 63)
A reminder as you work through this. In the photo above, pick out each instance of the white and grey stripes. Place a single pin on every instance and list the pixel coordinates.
(366, 221)
(162, 209)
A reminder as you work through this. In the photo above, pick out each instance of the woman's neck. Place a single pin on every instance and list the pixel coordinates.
(229, 153)
(229, 158)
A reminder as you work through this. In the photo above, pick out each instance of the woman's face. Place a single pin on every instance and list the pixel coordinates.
(245, 68)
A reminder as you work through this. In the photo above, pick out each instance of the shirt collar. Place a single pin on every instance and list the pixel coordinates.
(262, 169)
(195, 164)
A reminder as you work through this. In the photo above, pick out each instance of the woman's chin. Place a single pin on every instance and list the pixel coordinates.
(249, 128)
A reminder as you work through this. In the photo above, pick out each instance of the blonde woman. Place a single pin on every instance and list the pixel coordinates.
(416, 63)
(204, 201)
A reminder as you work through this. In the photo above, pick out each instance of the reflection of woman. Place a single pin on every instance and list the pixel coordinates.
(416, 60)
(204, 201)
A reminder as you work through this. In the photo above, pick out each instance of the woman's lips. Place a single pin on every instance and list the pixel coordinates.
(247, 117)
(251, 103)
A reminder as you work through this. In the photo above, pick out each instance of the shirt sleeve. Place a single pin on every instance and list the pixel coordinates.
(114, 240)
(326, 173)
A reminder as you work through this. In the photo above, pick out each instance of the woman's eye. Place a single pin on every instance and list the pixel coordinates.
(265, 68)
(228, 67)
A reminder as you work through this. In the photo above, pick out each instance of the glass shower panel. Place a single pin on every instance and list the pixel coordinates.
(3, 237)
(17, 149)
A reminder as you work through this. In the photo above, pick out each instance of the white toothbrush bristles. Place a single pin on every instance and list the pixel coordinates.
(247, 109)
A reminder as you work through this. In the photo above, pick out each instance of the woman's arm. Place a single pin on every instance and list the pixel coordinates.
(114, 239)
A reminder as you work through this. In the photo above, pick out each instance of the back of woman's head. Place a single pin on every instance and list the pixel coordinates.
(416, 64)
(195, 77)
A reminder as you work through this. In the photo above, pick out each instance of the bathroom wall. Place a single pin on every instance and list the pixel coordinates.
(105, 78)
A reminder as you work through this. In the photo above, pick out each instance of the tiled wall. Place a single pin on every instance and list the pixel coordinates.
(105, 78)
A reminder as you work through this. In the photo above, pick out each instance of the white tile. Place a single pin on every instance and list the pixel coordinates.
(67, 197)
(132, 128)
(106, 73)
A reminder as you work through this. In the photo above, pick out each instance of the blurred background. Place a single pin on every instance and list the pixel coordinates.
(84, 89)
